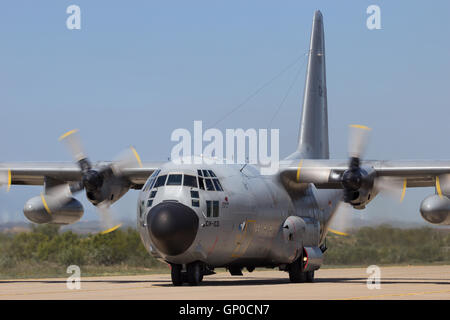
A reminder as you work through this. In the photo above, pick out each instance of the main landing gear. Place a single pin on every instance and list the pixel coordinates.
(193, 274)
(296, 273)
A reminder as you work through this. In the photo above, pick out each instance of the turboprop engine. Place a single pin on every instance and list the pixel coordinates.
(48, 209)
(436, 209)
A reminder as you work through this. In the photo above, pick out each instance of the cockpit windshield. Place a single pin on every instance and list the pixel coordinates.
(174, 180)
(207, 180)
(160, 181)
(190, 181)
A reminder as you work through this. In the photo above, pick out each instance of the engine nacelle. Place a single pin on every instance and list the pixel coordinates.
(47, 209)
(436, 209)
(359, 186)
(104, 187)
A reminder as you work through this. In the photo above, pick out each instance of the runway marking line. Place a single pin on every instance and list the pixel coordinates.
(396, 295)
(72, 291)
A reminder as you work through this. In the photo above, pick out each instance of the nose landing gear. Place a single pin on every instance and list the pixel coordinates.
(193, 274)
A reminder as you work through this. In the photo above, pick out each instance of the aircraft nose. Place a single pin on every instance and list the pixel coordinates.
(172, 227)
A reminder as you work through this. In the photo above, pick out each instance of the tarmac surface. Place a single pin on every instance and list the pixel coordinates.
(402, 282)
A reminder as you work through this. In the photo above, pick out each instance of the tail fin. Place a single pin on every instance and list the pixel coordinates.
(313, 135)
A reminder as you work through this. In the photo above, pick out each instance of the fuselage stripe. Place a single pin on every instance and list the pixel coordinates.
(213, 246)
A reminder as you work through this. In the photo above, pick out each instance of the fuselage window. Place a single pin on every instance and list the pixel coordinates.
(190, 181)
(194, 194)
(160, 181)
(208, 208)
(211, 173)
(215, 209)
(153, 194)
(195, 203)
(209, 185)
(212, 209)
(217, 184)
(200, 183)
(149, 202)
(205, 173)
(174, 180)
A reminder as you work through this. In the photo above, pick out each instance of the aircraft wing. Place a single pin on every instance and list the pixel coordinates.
(35, 173)
(325, 174)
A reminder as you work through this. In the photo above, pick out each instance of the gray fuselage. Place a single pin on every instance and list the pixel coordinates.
(251, 225)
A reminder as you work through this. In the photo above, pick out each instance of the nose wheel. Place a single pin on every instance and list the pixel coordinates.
(177, 276)
(193, 274)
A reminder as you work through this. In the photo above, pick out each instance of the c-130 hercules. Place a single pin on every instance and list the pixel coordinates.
(200, 217)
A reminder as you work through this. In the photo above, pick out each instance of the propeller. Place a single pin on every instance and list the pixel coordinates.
(5, 179)
(356, 179)
(93, 179)
(443, 184)
(341, 222)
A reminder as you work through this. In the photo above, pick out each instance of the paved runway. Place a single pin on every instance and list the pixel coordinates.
(406, 282)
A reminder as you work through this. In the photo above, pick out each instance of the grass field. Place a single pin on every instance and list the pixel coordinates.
(46, 252)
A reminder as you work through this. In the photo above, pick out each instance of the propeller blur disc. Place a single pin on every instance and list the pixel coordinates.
(73, 143)
(358, 139)
(129, 158)
(5, 179)
(106, 218)
(341, 222)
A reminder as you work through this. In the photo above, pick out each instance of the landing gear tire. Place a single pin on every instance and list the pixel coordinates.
(194, 273)
(309, 276)
(177, 276)
(296, 275)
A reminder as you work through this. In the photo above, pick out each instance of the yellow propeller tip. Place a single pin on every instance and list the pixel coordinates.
(8, 186)
(339, 233)
(402, 197)
(438, 187)
(359, 126)
(111, 229)
(68, 133)
(133, 149)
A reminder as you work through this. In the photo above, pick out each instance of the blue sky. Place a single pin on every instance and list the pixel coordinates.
(138, 70)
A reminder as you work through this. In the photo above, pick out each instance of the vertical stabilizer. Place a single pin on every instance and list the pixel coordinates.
(313, 135)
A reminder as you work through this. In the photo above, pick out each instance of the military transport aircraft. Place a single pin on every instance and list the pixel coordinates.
(198, 217)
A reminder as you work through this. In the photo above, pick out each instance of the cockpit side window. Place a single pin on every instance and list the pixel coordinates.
(200, 173)
(160, 181)
(211, 173)
(209, 185)
(149, 184)
(152, 184)
(217, 184)
(200, 183)
(174, 180)
(205, 173)
(190, 181)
